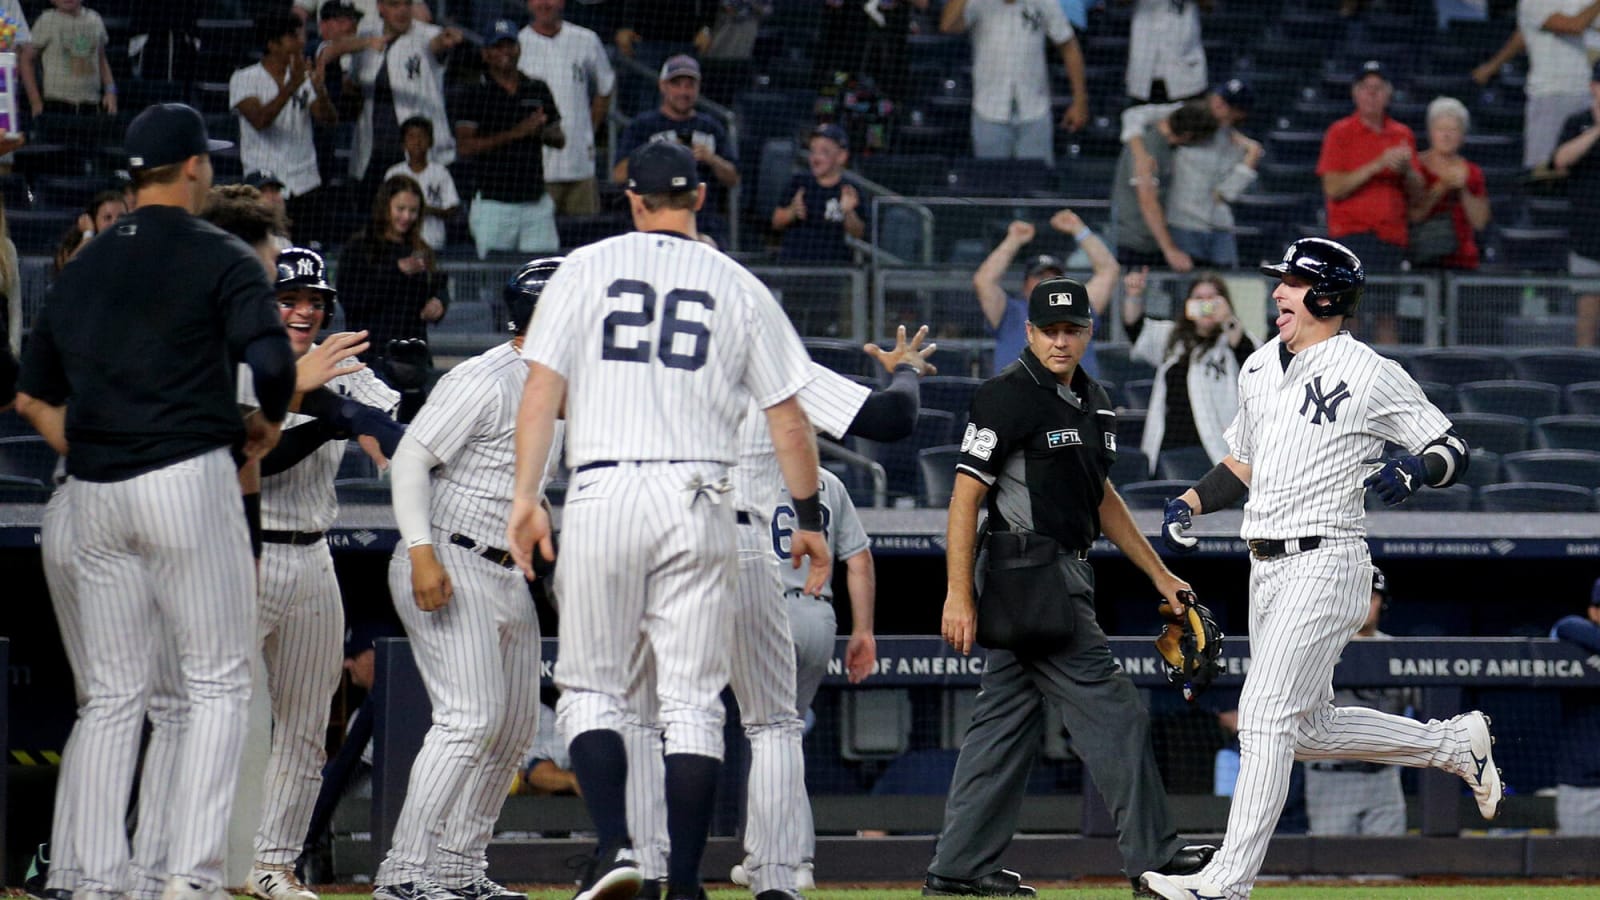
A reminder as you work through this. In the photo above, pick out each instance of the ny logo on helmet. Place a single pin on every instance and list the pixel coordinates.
(1326, 402)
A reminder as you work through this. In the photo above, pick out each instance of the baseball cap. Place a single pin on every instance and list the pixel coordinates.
(833, 133)
(1370, 67)
(1042, 263)
(662, 167)
(334, 9)
(504, 30)
(167, 133)
(682, 64)
(1059, 299)
(1237, 93)
(360, 637)
(261, 178)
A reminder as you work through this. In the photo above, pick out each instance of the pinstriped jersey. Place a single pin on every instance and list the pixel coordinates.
(840, 525)
(1304, 433)
(663, 341)
(831, 402)
(301, 498)
(470, 424)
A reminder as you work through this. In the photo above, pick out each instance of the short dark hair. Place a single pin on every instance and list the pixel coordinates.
(167, 174)
(674, 200)
(423, 122)
(239, 210)
(273, 25)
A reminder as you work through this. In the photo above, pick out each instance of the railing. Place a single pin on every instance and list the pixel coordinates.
(880, 478)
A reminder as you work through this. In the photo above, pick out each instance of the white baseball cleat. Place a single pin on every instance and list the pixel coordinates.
(805, 877)
(269, 882)
(1481, 773)
(1180, 887)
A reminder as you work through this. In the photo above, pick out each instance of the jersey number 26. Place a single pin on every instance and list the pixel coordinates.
(671, 326)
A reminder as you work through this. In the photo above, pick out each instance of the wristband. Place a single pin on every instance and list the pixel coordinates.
(906, 367)
(1083, 234)
(110, 89)
(808, 513)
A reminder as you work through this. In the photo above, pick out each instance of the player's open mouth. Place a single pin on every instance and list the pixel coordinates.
(1285, 316)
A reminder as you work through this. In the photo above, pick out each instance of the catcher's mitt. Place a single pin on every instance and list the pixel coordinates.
(1191, 646)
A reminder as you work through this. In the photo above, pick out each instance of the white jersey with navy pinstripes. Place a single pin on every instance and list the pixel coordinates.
(662, 341)
(1305, 433)
(830, 400)
(301, 498)
(470, 423)
(840, 525)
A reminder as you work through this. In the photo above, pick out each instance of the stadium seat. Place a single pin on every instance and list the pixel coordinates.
(1136, 393)
(1483, 467)
(362, 490)
(356, 464)
(1112, 363)
(1546, 212)
(14, 191)
(1579, 467)
(912, 175)
(65, 191)
(951, 393)
(775, 169)
(934, 428)
(27, 456)
(1556, 366)
(13, 425)
(1455, 365)
(1455, 498)
(1151, 494)
(1298, 147)
(937, 466)
(1532, 249)
(1131, 466)
(1275, 210)
(1493, 149)
(1528, 399)
(19, 489)
(1439, 394)
(1493, 431)
(1536, 498)
(874, 724)
(1567, 433)
(51, 159)
(842, 356)
(1130, 429)
(1583, 398)
(1001, 178)
(1183, 464)
(37, 232)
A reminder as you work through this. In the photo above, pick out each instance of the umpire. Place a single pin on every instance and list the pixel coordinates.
(1035, 455)
(130, 371)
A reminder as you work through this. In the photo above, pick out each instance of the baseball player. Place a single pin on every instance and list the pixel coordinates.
(1315, 408)
(468, 614)
(659, 331)
(301, 624)
(140, 335)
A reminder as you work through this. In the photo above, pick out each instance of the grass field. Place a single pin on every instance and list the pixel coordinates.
(1107, 891)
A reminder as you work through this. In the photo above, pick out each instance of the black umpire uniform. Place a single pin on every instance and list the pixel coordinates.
(1037, 451)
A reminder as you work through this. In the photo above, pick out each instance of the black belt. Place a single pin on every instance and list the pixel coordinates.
(1272, 549)
(613, 463)
(292, 538)
(492, 554)
(1366, 768)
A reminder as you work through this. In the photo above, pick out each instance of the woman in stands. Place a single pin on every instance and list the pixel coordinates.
(389, 280)
(1446, 217)
(1197, 356)
(103, 210)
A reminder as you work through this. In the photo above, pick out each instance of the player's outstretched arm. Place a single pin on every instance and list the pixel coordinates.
(796, 444)
(959, 624)
(1118, 525)
(542, 395)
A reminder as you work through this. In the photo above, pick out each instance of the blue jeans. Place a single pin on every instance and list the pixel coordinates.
(1018, 139)
(1214, 248)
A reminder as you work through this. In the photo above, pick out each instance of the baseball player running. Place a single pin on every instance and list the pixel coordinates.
(659, 331)
(1315, 408)
(301, 624)
(778, 644)
(468, 614)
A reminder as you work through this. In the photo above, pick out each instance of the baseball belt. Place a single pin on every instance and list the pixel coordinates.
(1271, 549)
(492, 554)
(292, 538)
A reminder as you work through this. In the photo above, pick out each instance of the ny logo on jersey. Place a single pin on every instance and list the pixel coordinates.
(435, 195)
(1033, 19)
(1326, 402)
(414, 68)
(1216, 368)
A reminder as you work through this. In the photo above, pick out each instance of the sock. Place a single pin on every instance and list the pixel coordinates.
(691, 792)
(601, 763)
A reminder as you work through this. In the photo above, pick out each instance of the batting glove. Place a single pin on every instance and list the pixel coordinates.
(1397, 478)
(1175, 526)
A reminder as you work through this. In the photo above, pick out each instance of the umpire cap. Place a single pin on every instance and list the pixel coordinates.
(302, 268)
(522, 292)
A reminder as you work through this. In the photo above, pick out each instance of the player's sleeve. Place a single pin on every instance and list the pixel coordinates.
(43, 376)
(778, 365)
(1400, 412)
(552, 338)
(1239, 434)
(848, 536)
(831, 400)
(455, 413)
(995, 428)
(366, 388)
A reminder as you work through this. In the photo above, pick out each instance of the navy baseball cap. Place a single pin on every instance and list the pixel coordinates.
(682, 64)
(1370, 67)
(1237, 93)
(167, 133)
(1059, 299)
(261, 178)
(662, 167)
(1043, 263)
(334, 9)
(504, 30)
(833, 133)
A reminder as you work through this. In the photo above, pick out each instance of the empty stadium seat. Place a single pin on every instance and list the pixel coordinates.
(1583, 398)
(934, 428)
(1532, 249)
(1536, 498)
(1295, 147)
(1455, 498)
(37, 232)
(937, 466)
(1184, 463)
(1456, 365)
(1439, 394)
(1579, 467)
(27, 456)
(1136, 393)
(1130, 429)
(17, 489)
(913, 175)
(1131, 465)
(1112, 363)
(1483, 467)
(1151, 494)
(1492, 431)
(1567, 433)
(1556, 366)
(874, 724)
(1001, 178)
(65, 191)
(951, 393)
(1528, 399)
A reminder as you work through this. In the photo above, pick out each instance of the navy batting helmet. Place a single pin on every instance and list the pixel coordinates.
(302, 268)
(523, 290)
(1332, 271)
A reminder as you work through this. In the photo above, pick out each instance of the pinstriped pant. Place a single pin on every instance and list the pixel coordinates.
(479, 660)
(163, 551)
(301, 631)
(1304, 608)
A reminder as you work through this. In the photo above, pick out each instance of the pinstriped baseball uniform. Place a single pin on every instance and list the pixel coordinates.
(479, 654)
(1304, 433)
(778, 832)
(301, 627)
(673, 338)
